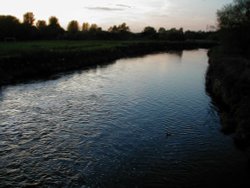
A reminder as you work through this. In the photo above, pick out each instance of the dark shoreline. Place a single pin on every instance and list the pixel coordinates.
(228, 83)
(44, 63)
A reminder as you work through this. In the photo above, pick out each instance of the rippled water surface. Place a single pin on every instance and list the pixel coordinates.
(137, 122)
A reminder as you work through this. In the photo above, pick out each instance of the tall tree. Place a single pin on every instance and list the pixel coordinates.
(41, 24)
(234, 23)
(28, 18)
(175, 34)
(73, 26)
(149, 30)
(53, 21)
(42, 29)
(94, 28)
(54, 29)
(120, 28)
(123, 28)
(113, 29)
(161, 30)
(234, 15)
(85, 26)
(9, 27)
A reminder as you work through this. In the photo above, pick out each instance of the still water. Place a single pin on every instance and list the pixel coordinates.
(137, 122)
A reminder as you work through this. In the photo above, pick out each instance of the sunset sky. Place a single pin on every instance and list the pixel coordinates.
(189, 14)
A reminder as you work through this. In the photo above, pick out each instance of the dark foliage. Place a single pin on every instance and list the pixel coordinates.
(12, 29)
(9, 26)
(172, 34)
(234, 23)
(228, 75)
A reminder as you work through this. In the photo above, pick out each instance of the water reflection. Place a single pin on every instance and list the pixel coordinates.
(177, 53)
(136, 122)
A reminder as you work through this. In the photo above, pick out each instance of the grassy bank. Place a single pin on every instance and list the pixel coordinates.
(30, 60)
(228, 82)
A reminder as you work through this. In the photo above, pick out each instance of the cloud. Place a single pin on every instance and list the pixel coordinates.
(104, 8)
(123, 5)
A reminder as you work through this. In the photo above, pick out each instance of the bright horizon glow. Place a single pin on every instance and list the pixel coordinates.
(189, 14)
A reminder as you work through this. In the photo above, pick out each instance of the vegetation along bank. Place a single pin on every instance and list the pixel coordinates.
(228, 75)
(37, 59)
(228, 82)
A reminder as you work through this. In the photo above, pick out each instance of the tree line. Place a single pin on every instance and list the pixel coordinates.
(30, 29)
(234, 24)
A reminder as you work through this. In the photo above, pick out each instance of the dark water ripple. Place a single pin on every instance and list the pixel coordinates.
(138, 122)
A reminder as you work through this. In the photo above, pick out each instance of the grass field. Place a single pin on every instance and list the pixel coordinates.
(13, 49)
(8, 49)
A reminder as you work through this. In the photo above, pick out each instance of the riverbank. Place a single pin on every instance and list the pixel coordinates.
(228, 82)
(21, 61)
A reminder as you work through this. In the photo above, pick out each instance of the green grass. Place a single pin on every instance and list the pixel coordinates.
(13, 49)
(17, 49)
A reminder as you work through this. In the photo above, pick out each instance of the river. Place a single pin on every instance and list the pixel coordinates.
(136, 122)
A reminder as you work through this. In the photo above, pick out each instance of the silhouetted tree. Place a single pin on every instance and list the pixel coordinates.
(123, 28)
(94, 28)
(234, 23)
(175, 34)
(9, 27)
(41, 24)
(54, 29)
(120, 28)
(162, 33)
(28, 18)
(85, 27)
(197, 35)
(53, 21)
(149, 32)
(234, 15)
(28, 30)
(113, 29)
(162, 30)
(120, 32)
(73, 26)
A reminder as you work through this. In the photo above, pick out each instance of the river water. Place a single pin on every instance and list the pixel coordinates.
(136, 122)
